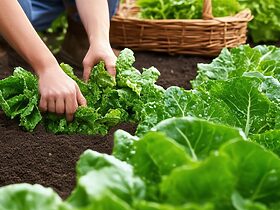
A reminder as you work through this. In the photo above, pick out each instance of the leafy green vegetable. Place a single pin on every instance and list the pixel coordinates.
(19, 98)
(199, 137)
(128, 76)
(244, 204)
(237, 61)
(257, 170)
(266, 17)
(178, 102)
(237, 102)
(124, 147)
(91, 160)
(269, 139)
(167, 9)
(222, 8)
(245, 95)
(26, 196)
(109, 101)
(108, 187)
(144, 205)
(254, 112)
(234, 174)
(186, 157)
(105, 183)
(147, 156)
(191, 9)
(55, 34)
(188, 184)
(161, 173)
(266, 13)
(173, 143)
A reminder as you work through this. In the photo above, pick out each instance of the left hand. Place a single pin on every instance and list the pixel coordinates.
(96, 53)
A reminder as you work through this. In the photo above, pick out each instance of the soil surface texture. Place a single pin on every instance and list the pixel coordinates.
(49, 159)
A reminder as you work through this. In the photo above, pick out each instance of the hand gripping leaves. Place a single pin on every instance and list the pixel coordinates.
(110, 101)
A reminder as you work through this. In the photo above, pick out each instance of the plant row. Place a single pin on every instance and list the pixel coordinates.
(214, 147)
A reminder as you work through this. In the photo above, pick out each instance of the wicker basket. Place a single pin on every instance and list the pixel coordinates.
(205, 36)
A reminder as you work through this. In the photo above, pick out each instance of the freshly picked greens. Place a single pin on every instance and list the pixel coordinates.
(190, 9)
(266, 13)
(168, 9)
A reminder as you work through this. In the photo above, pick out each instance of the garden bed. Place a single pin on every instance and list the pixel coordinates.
(49, 159)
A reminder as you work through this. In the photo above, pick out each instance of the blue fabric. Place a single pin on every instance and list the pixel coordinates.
(41, 13)
(113, 5)
(27, 7)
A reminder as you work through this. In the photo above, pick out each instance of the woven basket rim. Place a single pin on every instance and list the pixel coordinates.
(205, 36)
(242, 16)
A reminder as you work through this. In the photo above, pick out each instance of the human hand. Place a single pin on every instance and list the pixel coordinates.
(59, 93)
(96, 53)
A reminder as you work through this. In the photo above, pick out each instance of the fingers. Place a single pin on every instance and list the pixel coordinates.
(60, 106)
(59, 94)
(110, 63)
(51, 105)
(71, 106)
(65, 102)
(87, 64)
(80, 98)
(86, 73)
(93, 58)
(111, 68)
(43, 106)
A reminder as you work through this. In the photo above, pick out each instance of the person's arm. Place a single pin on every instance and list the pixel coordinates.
(59, 93)
(96, 20)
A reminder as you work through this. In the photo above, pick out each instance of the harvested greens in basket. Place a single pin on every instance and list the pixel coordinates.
(184, 9)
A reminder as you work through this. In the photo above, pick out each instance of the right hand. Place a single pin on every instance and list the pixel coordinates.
(59, 93)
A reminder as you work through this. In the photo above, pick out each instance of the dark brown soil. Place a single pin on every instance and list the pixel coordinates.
(48, 159)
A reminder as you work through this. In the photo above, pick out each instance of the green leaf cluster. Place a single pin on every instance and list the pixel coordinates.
(182, 163)
(240, 88)
(110, 101)
(237, 61)
(27, 197)
(215, 147)
(19, 98)
(238, 102)
(180, 9)
(266, 23)
(261, 65)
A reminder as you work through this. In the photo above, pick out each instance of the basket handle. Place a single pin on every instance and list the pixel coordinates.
(207, 10)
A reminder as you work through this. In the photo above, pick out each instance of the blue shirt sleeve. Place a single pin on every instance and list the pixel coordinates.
(26, 6)
(41, 13)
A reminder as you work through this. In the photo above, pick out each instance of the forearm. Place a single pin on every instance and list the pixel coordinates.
(18, 31)
(95, 17)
